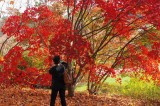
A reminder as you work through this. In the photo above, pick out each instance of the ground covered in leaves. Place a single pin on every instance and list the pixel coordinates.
(41, 97)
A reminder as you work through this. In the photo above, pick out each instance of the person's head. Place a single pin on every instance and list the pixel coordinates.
(56, 59)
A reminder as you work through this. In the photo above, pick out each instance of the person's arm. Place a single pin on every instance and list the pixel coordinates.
(50, 71)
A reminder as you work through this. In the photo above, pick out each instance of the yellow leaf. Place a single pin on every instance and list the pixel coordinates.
(1, 58)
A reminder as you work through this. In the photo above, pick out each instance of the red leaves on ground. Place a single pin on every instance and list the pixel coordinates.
(39, 97)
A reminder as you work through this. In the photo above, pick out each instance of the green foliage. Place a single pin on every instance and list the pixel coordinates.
(33, 61)
(132, 87)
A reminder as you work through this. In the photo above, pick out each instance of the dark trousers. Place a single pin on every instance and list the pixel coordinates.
(54, 95)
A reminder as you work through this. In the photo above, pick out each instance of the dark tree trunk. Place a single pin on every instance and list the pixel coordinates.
(71, 89)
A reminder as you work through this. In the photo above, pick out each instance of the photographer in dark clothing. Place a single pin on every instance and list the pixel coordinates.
(58, 84)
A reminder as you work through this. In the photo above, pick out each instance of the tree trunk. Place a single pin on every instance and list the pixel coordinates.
(71, 89)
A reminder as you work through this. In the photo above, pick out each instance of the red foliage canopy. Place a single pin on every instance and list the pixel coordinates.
(45, 35)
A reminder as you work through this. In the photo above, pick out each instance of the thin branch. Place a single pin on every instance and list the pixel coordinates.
(73, 14)
(122, 49)
(96, 30)
(13, 46)
(4, 44)
(79, 73)
(81, 17)
(68, 9)
(90, 23)
(100, 47)
(81, 10)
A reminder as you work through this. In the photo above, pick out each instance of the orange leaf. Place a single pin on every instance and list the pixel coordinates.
(12, 2)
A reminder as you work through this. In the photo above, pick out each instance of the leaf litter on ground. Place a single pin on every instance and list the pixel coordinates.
(41, 97)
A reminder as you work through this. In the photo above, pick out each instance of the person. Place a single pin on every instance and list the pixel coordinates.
(64, 64)
(58, 84)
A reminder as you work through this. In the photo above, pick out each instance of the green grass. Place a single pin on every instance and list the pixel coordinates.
(131, 87)
(81, 87)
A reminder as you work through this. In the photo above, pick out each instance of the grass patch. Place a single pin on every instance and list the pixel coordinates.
(132, 87)
(82, 87)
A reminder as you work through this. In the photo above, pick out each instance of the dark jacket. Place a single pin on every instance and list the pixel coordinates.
(57, 73)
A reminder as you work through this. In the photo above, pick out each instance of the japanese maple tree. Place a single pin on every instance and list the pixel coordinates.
(96, 37)
(39, 33)
(113, 27)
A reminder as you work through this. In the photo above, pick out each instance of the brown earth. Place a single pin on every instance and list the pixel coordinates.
(40, 97)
